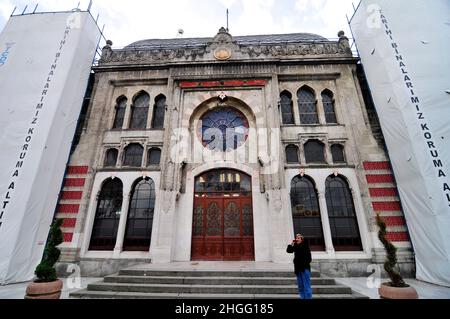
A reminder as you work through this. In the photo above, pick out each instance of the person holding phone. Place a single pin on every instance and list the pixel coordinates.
(302, 265)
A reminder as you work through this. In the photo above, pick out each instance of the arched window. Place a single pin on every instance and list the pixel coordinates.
(314, 152)
(159, 110)
(287, 112)
(337, 151)
(223, 129)
(139, 111)
(341, 211)
(154, 156)
(140, 216)
(292, 154)
(107, 215)
(133, 155)
(328, 107)
(307, 106)
(121, 106)
(111, 157)
(306, 212)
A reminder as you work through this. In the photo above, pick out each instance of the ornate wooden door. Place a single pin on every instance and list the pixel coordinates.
(223, 226)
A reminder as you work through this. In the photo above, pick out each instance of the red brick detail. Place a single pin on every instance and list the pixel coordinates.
(77, 170)
(386, 206)
(256, 82)
(71, 195)
(234, 83)
(393, 221)
(383, 192)
(68, 208)
(69, 222)
(378, 179)
(74, 182)
(373, 166)
(398, 237)
(189, 84)
(67, 237)
(210, 84)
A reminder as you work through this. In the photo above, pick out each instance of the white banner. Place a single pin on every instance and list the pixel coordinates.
(45, 64)
(404, 47)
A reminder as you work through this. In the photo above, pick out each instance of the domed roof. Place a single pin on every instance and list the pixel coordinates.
(269, 39)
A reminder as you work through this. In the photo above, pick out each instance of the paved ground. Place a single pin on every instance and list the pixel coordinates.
(425, 290)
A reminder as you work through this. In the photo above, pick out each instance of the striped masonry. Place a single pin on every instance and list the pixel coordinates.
(384, 196)
(70, 199)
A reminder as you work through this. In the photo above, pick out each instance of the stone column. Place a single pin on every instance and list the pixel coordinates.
(325, 223)
(320, 110)
(122, 225)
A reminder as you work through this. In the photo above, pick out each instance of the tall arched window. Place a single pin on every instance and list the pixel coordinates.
(111, 157)
(121, 106)
(159, 110)
(306, 212)
(341, 211)
(307, 106)
(139, 111)
(328, 107)
(154, 156)
(140, 216)
(107, 215)
(287, 112)
(292, 154)
(133, 155)
(314, 152)
(337, 151)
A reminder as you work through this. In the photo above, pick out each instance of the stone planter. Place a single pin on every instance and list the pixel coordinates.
(44, 290)
(388, 292)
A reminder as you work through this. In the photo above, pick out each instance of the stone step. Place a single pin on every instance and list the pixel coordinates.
(213, 280)
(87, 294)
(210, 273)
(215, 289)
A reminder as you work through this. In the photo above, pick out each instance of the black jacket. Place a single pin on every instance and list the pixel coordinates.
(302, 256)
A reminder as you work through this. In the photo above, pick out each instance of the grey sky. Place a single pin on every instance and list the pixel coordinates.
(127, 21)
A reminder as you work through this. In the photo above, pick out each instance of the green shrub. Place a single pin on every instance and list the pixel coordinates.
(45, 271)
(391, 256)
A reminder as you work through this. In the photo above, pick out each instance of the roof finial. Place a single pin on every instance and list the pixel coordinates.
(228, 30)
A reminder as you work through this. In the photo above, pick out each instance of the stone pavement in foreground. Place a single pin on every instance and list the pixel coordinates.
(425, 290)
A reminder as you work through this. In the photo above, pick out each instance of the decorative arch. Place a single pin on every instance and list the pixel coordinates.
(139, 225)
(338, 153)
(133, 155)
(306, 211)
(139, 110)
(292, 154)
(107, 215)
(120, 108)
(159, 111)
(287, 108)
(328, 106)
(314, 152)
(111, 157)
(341, 212)
(307, 105)
(154, 156)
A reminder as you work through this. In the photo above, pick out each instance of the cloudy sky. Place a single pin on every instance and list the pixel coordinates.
(127, 21)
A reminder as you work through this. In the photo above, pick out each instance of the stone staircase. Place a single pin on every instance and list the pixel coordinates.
(210, 284)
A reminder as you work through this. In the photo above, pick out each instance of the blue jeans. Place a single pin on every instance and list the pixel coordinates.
(304, 284)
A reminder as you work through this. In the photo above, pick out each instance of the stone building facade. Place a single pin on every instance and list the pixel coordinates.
(222, 149)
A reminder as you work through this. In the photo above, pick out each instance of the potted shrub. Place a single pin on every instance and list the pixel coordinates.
(396, 288)
(46, 285)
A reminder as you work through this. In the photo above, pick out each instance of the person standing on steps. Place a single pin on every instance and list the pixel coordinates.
(302, 265)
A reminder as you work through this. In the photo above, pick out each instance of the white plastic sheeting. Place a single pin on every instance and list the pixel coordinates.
(404, 47)
(45, 64)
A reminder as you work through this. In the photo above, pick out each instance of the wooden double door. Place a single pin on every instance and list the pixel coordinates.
(223, 227)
